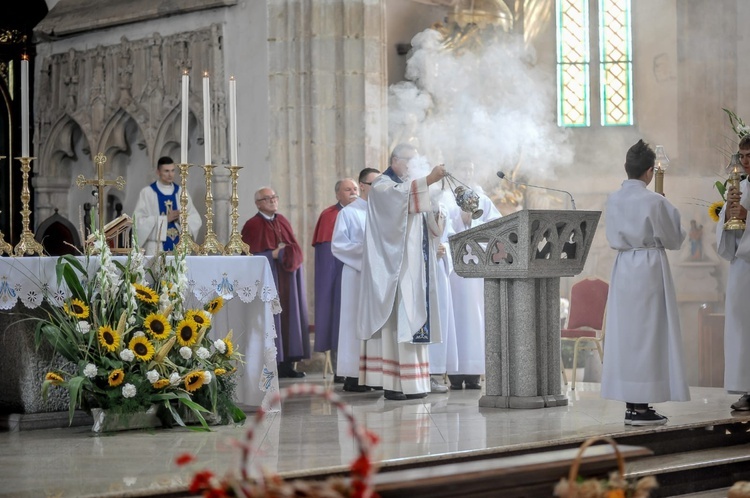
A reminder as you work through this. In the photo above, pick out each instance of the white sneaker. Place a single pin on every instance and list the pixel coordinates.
(437, 388)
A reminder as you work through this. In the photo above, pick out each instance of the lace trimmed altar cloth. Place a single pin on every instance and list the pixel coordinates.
(245, 282)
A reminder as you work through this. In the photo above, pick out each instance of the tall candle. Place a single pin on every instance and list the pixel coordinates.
(185, 113)
(25, 105)
(206, 119)
(232, 121)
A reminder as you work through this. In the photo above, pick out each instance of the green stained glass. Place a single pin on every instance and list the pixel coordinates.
(616, 63)
(573, 60)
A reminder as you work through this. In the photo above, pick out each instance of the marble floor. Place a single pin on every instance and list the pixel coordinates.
(308, 433)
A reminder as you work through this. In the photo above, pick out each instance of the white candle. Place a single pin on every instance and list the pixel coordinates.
(232, 121)
(25, 105)
(185, 114)
(206, 119)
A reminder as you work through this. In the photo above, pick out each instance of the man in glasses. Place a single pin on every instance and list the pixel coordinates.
(398, 296)
(328, 274)
(270, 234)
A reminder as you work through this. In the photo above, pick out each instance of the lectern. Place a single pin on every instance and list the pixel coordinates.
(521, 258)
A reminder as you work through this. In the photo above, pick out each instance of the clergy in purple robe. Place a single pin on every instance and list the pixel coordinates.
(328, 271)
(270, 234)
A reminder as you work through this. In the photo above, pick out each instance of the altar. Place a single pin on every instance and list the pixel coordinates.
(245, 282)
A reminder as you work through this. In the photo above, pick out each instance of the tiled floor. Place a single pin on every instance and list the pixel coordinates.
(309, 434)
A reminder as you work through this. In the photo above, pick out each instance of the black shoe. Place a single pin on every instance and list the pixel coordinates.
(286, 371)
(351, 384)
(456, 387)
(647, 417)
(472, 382)
(338, 379)
(628, 416)
(416, 396)
(395, 395)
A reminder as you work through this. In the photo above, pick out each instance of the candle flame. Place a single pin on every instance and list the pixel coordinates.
(185, 72)
(231, 78)
(24, 56)
(205, 74)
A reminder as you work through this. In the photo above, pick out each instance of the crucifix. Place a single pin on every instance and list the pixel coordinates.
(100, 183)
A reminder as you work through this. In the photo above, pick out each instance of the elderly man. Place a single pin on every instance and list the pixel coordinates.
(347, 246)
(157, 211)
(398, 296)
(269, 234)
(328, 273)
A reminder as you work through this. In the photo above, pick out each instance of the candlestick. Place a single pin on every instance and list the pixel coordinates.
(185, 113)
(206, 119)
(211, 244)
(25, 105)
(27, 244)
(186, 243)
(232, 121)
(235, 245)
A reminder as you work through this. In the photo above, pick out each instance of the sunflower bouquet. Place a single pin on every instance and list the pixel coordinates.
(132, 343)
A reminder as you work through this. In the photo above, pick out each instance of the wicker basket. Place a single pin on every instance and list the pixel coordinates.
(358, 485)
(614, 487)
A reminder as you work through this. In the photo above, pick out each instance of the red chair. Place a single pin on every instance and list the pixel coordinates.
(588, 303)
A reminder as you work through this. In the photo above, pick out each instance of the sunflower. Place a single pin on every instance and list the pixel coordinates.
(187, 332)
(116, 377)
(160, 384)
(230, 346)
(194, 380)
(215, 305)
(146, 294)
(157, 325)
(54, 378)
(109, 338)
(220, 371)
(141, 347)
(200, 317)
(714, 210)
(77, 309)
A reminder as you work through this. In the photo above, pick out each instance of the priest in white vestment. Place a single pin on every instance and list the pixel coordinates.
(398, 297)
(347, 245)
(643, 359)
(157, 212)
(734, 246)
(468, 306)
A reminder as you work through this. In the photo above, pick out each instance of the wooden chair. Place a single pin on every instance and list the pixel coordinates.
(588, 303)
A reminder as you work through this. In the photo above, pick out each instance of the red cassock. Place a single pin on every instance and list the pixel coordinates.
(263, 236)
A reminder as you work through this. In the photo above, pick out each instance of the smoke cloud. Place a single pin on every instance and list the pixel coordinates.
(488, 104)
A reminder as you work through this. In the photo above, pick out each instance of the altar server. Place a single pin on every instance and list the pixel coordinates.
(157, 211)
(468, 297)
(328, 273)
(347, 245)
(643, 359)
(734, 246)
(270, 234)
(398, 295)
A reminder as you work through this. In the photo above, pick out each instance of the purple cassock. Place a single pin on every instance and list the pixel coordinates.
(327, 283)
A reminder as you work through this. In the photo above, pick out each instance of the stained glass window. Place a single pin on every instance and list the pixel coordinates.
(577, 80)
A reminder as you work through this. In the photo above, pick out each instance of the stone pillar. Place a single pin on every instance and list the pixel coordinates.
(52, 193)
(327, 100)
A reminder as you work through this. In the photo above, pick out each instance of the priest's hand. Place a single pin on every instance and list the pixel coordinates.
(173, 215)
(438, 173)
(737, 211)
(275, 252)
(733, 195)
(440, 252)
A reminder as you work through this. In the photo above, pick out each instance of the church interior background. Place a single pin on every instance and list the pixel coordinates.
(327, 87)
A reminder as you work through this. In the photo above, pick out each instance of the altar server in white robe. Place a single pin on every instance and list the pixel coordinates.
(468, 301)
(734, 246)
(443, 354)
(157, 211)
(643, 359)
(398, 297)
(347, 246)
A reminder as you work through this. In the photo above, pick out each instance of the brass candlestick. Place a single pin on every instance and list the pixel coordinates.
(186, 243)
(735, 170)
(5, 247)
(211, 244)
(235, 245)
(27, 244)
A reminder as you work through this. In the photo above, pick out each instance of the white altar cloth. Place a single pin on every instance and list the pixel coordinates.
(245, 282)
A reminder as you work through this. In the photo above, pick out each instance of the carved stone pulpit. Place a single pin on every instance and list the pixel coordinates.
(521, 258)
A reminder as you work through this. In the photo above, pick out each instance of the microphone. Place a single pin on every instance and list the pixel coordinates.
(501, 175)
